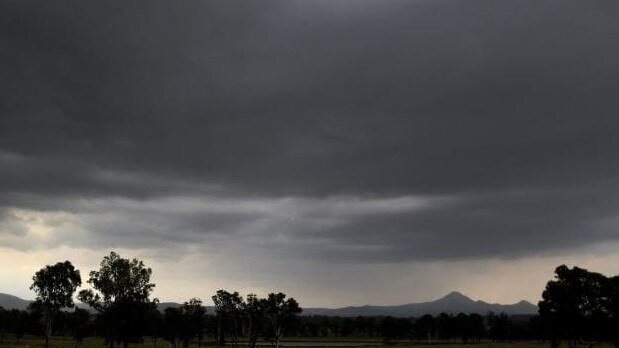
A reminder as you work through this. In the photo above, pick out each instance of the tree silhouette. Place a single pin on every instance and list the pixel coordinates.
(19, 321)
(4, 322)
(54, 287)
(154, 326)
(172, 321)
(445, 326)
(122, 298)
(576, 304)
(192, 321)
(228, 308)
(477, 328)
(613, 308)
(80, 325)
(280, 312)
(499, 327)
(425, 327)
(253, 313)
(462, 327)
(392, 328)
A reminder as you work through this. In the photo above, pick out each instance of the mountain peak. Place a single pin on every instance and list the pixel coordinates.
(456, 296)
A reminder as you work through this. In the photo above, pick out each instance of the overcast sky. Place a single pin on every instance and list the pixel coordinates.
(344, 152)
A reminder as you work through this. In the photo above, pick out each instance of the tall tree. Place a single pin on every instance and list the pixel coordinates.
(575, 304)
(154, 324)
(193, 314)
(122, 294)
(172, 321)
(228, 307)
(54, 287)
(613, 309)
(280, 312)
(253, 313)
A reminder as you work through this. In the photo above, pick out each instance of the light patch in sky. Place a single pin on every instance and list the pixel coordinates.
(195, 274)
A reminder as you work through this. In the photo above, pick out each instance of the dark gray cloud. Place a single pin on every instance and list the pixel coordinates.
(501, 224)
(500, 116)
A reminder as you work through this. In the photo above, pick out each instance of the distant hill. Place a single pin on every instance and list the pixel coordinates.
(161, 306)
(454, 303)
(13, 302)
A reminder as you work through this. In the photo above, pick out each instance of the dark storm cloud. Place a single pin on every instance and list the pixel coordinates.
(501, 224)
(468, 100)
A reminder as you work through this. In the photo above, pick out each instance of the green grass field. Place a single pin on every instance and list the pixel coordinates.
(96, 342)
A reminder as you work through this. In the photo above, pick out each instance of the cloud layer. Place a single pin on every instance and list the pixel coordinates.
(325, 132)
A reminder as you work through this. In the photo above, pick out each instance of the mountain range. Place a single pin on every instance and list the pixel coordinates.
(13, 302)
(453, 303)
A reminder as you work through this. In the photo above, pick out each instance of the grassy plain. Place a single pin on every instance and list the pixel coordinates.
(95, 342)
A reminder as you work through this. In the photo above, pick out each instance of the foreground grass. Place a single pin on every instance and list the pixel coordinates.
(321, 342)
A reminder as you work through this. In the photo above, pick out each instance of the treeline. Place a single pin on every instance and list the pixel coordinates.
(578, 306)
(125, 313)
(463, 328)
(236, 321)
(239, 322)
(15, 324)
